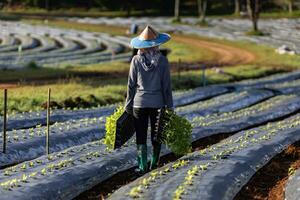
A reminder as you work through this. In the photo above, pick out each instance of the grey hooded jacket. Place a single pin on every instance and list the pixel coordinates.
(149, 87)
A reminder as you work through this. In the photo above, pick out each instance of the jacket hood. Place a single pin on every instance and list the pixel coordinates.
(149, 59)
(148, 65)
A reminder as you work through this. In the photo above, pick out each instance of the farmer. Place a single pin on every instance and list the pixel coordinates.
(149, 90)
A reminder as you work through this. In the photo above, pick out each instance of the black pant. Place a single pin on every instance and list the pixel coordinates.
(141, 120)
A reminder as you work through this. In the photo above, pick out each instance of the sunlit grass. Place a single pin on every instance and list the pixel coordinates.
(25, 75)
(32, 97)
(280, 14)
(191, 79)
(185, 52)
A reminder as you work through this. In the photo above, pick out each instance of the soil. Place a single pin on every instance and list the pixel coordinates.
(270, 181)
(8, 86)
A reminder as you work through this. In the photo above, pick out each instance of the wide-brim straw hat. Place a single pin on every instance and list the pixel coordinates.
(149, 38)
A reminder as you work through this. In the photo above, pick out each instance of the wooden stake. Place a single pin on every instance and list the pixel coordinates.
(203, 75)
(48, 122)
(4, 120)
(178, 68)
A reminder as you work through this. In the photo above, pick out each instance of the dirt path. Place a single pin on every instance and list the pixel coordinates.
(223, 54)
(7, 86)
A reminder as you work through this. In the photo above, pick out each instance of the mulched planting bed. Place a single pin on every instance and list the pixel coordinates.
(217, 172)
(31, 119)
(92, 163)
(77, 169)
(27, 144)
(107, 187)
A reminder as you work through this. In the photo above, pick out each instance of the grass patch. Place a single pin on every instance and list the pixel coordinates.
(6, 17)
(109, 67)
(192, 79)
(175, 20)
(280, 14)
(77, 91)
(203, 23)
(30, 73)
(186, 52)
(113, 30)
(256, 33)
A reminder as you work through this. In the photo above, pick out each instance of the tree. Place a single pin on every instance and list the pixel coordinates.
(9, 3)
(286, 4)
(237, 9)
(47, 5)
(128, 6)
(253, 7)
(202, 6)
(176, 10)
(290, 5)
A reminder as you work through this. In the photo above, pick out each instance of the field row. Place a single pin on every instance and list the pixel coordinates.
(26, 144)
(228, 109)
(285, 83)
(219, 171)
(92, 164)
(32, 119)
(22, 43)
(280, 31)
(70, 132)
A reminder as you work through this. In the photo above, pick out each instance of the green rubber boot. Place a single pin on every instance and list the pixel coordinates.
(155, 156)
(142, 158)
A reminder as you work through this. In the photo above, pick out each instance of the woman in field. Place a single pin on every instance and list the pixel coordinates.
(149, 90)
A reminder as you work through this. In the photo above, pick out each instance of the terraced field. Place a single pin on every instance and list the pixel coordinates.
(21, 44)
(280, 31)
(259, 119)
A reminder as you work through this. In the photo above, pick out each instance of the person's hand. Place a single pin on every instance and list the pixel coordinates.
(129, 110)
(171, 110)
